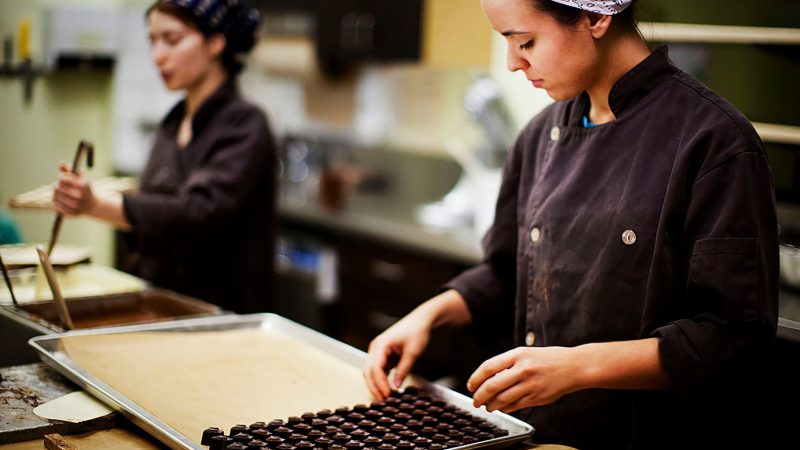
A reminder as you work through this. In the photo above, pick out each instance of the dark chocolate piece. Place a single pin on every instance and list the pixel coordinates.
(325, 413)
(220, 442)
(257, 426)
(387, 447)
(436, 446)
(261, 434)
(315, 434)
(367, 424)
(242, 438)
(353, 445)
(342, 410)
(294, 438)
(304, 445)
(293, 420)
(385, 421)
(361, 408)
(273, 441)
(405, 445)
(209, 433)
(282, 432)
(452, 443)
(323, 442)
(372, 441)
(439, 438)
(397, 428)
(427, 431)
(355, 416)
(236, 429)
(302, 428)
(285, 446)
(275, 424)
(319, 424)
(256, 444)
(347, 427)
(422, 442)
(336, 421)
(407, 435)
(359, 435)
(307, 417)
(380, 431)
(236, 446)
(332, 430)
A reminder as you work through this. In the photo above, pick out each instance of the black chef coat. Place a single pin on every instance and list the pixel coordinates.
(204, 219)
(661, 224)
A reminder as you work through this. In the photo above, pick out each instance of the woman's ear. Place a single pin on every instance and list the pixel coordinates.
(216, 44)
(599, 24)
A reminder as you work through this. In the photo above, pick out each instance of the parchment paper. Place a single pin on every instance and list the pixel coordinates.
(194, 380)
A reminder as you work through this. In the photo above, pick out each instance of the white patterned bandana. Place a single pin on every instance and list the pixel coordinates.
(605, 7)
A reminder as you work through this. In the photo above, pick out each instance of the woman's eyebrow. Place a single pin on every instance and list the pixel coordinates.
(513, 32)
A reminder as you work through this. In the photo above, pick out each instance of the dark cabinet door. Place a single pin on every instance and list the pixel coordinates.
(350, 31)
(381, 283)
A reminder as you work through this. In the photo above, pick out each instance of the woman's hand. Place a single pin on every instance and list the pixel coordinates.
(402, 343)
(524, 377)
(535, 376)
(73, 194)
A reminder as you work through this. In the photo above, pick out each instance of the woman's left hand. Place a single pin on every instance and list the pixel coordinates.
(524, 377)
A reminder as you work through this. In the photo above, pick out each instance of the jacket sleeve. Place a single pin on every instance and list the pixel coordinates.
(730, 237)
(213, 192)
(489, 288)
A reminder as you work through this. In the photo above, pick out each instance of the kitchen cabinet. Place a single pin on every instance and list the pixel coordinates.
(352, 31)
(379, 282)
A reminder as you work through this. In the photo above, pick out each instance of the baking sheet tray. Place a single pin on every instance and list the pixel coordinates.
(51, 351)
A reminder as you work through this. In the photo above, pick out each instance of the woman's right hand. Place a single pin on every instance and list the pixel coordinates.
(403, 342)
(72, 195)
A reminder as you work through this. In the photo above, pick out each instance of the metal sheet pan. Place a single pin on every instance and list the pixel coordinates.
(52, 353)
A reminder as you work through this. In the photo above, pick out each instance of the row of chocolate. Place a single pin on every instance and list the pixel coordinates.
(412, 419)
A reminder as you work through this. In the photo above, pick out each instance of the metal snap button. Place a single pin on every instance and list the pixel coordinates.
(555, 133)
(536, 234)
(629, 237)
(530, 339)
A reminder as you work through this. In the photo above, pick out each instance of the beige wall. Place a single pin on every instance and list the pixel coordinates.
(67, 106)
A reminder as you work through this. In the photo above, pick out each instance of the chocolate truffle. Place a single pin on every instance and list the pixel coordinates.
(397, 428)
(332, 430)
(452, 443)
(414, 424)
(285, 446)
(275, 424)
(359, 435)
(257, 426)
(367, 424)
(336, 421)
(282, 432)
(256, 444)
(294, 438)
(355, 416)
(342, 410)
(242, 438)
(236, 429)
(386, 447)
(273, 441)
(307, 417)
(385, 421)
(407, 435)
(304, 445)
(236, 446)
(379, 430)
(323, 442)
(362, 408)
(315, 434)
(260, 434)
(293, 420)
(209, 433)
(427, 431)
(435, 446)
(405, 445)
(354, 445)
(319, 424)
(325, 413)
(372, 441)
(220, 442)
(422, 442)
(348, 427)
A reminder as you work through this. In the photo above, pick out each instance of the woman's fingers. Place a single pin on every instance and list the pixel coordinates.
(407, 360)
(495, 385)
(489, 368)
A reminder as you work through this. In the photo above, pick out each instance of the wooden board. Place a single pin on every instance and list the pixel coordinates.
(23, 388)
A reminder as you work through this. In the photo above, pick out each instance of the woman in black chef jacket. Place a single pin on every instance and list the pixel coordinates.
(633, 253)
(202, 222)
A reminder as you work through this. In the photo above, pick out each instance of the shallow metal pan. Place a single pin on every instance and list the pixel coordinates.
(52, 353)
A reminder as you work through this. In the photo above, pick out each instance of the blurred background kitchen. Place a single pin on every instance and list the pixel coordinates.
(393, 118)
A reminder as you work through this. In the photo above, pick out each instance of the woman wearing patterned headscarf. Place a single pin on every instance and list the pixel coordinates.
(202, 222)
(633, 253)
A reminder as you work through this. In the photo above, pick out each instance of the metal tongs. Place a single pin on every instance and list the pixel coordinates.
(58, 299)
(88, 148)
(8, 280)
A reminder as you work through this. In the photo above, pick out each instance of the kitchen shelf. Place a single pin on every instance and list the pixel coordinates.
(719, 34)
(779, 134)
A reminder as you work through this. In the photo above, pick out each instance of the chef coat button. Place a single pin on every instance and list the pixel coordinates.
(536, 234)
(530, 338)
(555, 133)
(629, 237)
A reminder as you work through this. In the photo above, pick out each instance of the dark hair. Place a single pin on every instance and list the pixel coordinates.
(239, 36)
(569, 15)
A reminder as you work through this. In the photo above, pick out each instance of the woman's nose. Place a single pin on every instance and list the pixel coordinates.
(158, 52)
(515, 62)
